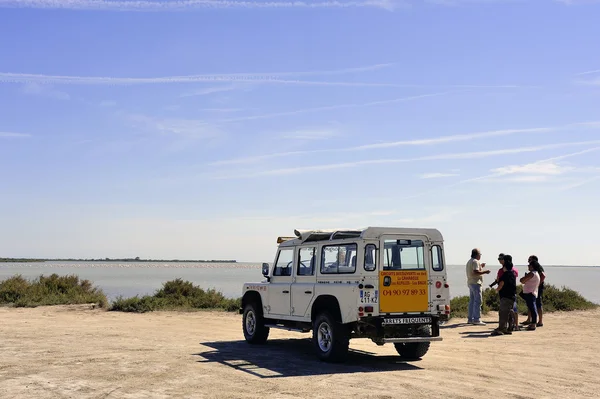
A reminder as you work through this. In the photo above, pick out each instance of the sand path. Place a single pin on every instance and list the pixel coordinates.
(76, 352)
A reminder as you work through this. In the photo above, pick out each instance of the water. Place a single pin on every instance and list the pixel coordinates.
(129, 279)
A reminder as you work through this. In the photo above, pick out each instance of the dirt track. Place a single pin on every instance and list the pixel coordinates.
(75, 352)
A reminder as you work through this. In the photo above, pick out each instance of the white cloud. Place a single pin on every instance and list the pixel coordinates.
(224, 109)
(11, 135)
(579, 183)
(410, 142)
(328, 108)
(310, 134)
(187, 128)
(209, 90)
(588, 72)
(189, 5)
(436, 175)
(44, 90)
(108, 103)
(577, 2)
(543, 168)
(391, 144)
(462, 155)
(593, 82)
(272, 77)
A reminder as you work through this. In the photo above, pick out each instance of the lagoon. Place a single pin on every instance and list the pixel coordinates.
(140, 278)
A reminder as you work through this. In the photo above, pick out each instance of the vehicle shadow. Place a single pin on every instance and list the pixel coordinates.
(293, 358)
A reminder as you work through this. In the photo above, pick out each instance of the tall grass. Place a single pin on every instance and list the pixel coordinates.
(52, 290)
(554, 299)
(177, 295)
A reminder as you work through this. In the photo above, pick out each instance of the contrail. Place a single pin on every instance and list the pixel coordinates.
(274, 77)
(189, 5)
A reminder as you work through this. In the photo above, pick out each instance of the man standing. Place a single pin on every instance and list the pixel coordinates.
(507, 289)
(475, 274)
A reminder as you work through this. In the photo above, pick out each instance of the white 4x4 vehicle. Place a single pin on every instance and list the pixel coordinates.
(386, 284)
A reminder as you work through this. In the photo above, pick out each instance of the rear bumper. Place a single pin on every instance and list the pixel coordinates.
(400, 328)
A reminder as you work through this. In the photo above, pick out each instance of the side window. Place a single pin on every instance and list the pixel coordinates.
(339, 259)
(404, 255)
(307, 258)
(370, 257)
(437, 261)
(285, 260)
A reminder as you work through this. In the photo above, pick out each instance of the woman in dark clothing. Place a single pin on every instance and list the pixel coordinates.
(507, 289)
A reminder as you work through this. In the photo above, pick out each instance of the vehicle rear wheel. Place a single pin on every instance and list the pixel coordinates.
(412, 350)
(331, 338)
(253, 324)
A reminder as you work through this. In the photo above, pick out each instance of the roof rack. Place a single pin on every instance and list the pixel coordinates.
(345, 234)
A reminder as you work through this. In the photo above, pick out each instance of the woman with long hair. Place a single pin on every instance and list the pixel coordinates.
(531, 282)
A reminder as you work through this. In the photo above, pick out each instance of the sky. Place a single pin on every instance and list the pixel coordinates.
(206, 129)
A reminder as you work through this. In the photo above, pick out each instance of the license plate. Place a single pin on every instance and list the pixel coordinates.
(407, 320)
(368, 296)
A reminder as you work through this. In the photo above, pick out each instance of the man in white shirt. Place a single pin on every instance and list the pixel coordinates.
(475, 274)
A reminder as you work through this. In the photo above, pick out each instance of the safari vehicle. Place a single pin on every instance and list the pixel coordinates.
(386, 284)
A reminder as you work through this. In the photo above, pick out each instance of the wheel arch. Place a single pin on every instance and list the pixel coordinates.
(326, 302)
(252, 297)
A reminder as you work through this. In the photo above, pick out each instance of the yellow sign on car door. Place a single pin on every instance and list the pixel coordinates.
(403, 291)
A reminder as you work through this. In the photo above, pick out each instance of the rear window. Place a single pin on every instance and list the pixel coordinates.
(403, 255)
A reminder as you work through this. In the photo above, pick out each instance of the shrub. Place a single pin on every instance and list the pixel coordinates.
(177, 295)
(51, 290)
(555, 299)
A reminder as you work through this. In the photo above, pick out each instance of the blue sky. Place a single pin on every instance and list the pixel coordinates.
(205, 129)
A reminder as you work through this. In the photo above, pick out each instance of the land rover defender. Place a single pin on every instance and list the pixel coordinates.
(386, 284)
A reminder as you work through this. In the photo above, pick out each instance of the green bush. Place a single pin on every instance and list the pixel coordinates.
(177, 295)
(52, 290)
(555, 299)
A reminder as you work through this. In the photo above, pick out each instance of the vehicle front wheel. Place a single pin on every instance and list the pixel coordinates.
(253, 324)
(412, 350)
(331, 338)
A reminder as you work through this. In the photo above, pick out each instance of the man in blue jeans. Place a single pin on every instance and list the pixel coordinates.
(475, 274)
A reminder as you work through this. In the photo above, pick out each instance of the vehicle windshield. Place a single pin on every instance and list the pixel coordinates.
(403, 255)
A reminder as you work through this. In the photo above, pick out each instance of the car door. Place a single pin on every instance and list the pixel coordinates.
(303, 286)
(279, 287)
(403, 277)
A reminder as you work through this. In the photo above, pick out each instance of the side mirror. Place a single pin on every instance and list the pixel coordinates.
(265, 269)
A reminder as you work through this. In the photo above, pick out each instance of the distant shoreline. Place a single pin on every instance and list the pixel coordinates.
(137, 260)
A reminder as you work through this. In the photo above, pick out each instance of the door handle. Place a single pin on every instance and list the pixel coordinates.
(369, 286)
(285, 292)
(308, 292)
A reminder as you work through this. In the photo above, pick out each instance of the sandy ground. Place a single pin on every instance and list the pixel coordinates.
(76, 352)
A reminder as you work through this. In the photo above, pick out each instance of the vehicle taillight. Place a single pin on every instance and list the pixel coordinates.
(360, 309)
(447, 311)
(438, 284)
(446, 285)
(369, 309)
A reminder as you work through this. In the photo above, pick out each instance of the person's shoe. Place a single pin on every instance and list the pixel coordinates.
(507, 332)
(497, 332)
(540, 324)
(524, 323)
(531, 327)
(478, 323)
